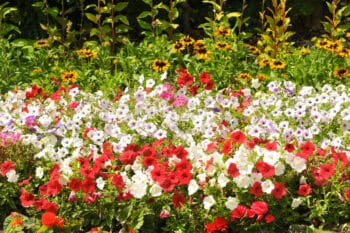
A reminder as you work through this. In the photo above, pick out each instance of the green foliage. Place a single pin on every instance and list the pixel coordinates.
(275, 37)
(338, 24)
(7, 27)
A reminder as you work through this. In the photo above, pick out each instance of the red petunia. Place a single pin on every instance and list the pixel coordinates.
(178, 200)
(238, 137)
(289, 147)
(118, 182)
(232, 170)
(271, 146)
(307, 149)
(304, 190)
(128, 157)
(204, 77)
(279, 190)
(220, 224)
(347, 194)
(75, 184)
(7, 166)
(259, 207)
(209, 86)
(327, 170)
(256, 189)
(27, 199)
(265, 169)
(239, 212)
(269, 218)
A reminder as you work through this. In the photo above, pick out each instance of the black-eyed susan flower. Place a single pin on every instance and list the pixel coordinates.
(334, 46)
(347, 35)
(187, 40)
(160, 65)
(178, 47)
(87, 53)
(322, 44)
(202, 53)
(221, 45)
(264, 62)
(244, 77)
(222, 31)
(261, 77)
(304, 51)
(41, 43)
(69, 76)
(198, 44)
(251, 48)
(345, 53)
(341, 72)
(277, 65)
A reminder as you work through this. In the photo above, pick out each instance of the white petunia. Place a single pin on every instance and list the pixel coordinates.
(155, 190)
(12, 176)
(267, 186)
(192, 187)
(208, 202)
(231, 203)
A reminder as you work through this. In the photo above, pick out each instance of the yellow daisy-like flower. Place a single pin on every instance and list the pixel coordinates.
(264, 62)
(261, 77)
(178, 47)
(277, 65)
(347, 35)
(223, 46)
(244, 77)
(86, 53)
(304, 51)
(322, 44)
(222, 31)
(199, 44)
(187, 40)
(160, 65)
(69, 76)
(341, 72)
(41, 43)
(334, 46)
(202, 53)
(345, 53)
(251, 48)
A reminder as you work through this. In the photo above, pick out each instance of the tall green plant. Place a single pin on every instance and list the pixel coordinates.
(275, 37)
(338, 24)
(153, 24)
(6, 27)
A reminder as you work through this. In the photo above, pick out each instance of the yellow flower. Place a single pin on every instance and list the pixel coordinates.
(222, 31)
(347, 35)
(322, 44)
(304, 51)
(69, 76)
(251, 48)
(202, 53)
(86, 53)
(244, 77)
(264, 62)
(178, 46)
(334, 46)
(341, 72)
(187, 40)
(277, 65)
(261, 76)
(41, 43)
(37, 70)
(160, 65)
(345, 53)
(223, 45)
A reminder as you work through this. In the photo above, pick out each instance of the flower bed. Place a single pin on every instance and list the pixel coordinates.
(173, 159)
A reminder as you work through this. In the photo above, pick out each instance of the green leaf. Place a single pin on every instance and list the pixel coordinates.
(39, 4)
(53, 11)
(91, 17)
(121, 6)
(124, 213)
(144, 14)
(122, 18)
(233, 15)
(144, 24)
(162, 6)
(215, 5)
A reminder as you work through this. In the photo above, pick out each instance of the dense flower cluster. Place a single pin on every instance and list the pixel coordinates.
(234, 156)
